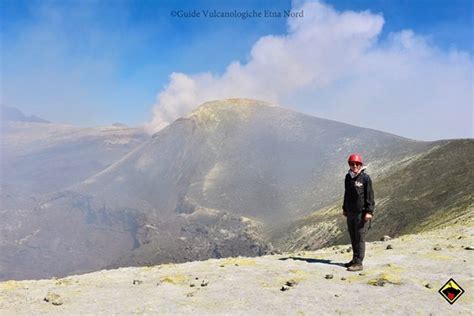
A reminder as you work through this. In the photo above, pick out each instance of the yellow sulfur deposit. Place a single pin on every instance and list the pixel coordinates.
(174, 279)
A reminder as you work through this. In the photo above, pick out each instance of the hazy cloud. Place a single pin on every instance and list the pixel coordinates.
(333, 65)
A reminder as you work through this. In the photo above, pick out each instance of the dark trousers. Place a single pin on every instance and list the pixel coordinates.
(357, 229)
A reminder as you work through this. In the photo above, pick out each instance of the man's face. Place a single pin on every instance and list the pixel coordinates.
(355, 166)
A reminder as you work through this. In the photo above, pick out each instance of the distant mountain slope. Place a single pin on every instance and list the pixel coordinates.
(431, 190)
(245, 157)
(40, 158)
(9, 113)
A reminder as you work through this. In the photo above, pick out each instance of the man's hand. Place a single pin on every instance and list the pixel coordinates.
(367, 216)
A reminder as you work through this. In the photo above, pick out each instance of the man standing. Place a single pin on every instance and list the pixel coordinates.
(358, 207)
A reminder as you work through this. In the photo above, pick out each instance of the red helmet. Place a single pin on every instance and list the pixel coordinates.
(355, 158)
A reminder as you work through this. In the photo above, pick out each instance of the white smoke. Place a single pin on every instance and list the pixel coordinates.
(332, 64)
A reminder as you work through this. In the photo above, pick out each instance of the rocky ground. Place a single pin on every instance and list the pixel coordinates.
(401, 276)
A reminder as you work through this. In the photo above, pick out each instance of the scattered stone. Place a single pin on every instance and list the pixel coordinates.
(450, 246)
(204, 283)
(460, 237)
(196, 278)
(349, 249)
(379, 283)
(222, 266)
(291, 283)
(343, 278)
(137, 282)
(190, 294)
(389, 247)
(236, 264)
(361, 273)
(469, 248)
(428, 286)
(288, 284)
(336, 295)
(437, 248)
(192, 285)
(329, 276)
(54, 299)
(385, 238)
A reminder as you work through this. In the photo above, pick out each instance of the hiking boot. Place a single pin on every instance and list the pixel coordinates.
(355, 267)
(348, 264)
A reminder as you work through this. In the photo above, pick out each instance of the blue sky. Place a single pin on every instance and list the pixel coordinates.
(98, 62)
(138, 44)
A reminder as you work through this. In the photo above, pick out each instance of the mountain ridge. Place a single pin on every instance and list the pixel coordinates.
(214, 175)
(9, 113)
(405, 200)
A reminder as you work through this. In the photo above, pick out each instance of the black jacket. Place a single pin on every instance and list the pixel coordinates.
(358, 194)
